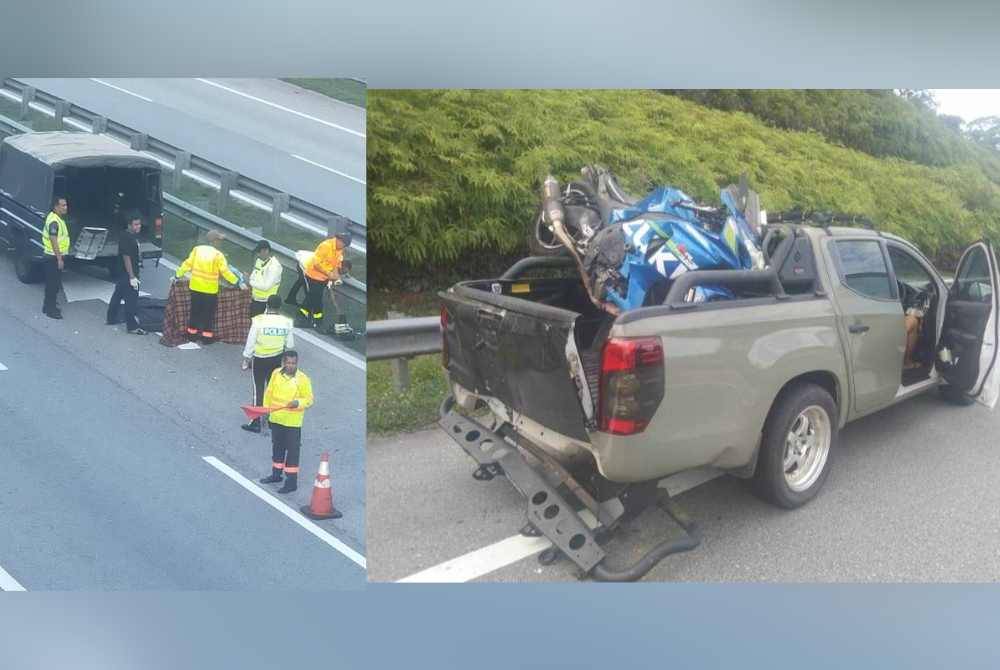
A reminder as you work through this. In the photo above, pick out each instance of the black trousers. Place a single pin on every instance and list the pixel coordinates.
(53, 282)
(257, 307)
(262, 369)
(285, 444)
(293, 295)
(124, 292)
(203, 313)
(314, 299)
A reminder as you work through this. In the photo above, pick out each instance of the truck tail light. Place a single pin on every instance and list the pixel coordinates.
(444, 336)
(631, 384)
(158, 226)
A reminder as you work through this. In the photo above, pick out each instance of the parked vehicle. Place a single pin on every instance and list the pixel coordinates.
(103, 181)
(758, 385)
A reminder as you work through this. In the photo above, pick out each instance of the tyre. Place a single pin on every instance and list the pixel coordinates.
(541, 240)
(799, 438)
(952, 395)
(27, 269)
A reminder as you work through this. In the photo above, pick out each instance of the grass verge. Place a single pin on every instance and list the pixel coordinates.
(392, 412)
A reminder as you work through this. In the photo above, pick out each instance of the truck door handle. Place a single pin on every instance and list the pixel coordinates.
(858, 328)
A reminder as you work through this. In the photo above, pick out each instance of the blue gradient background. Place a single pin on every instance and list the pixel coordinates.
(440, 44)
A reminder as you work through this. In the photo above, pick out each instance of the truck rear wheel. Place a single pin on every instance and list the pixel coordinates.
(800, 435)
(27, 269)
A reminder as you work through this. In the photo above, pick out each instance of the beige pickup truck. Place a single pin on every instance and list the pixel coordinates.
(582, 410)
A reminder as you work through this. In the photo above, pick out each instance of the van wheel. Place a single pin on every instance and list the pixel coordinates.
(954, 396)
(27, 270)
(800, 435)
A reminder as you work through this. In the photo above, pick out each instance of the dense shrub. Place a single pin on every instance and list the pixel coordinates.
(455, 173)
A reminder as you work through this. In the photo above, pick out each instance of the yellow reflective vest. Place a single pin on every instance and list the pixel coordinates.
(62, 237)
(205, 264)
(265, 278)
(282, 390)
(271, 333)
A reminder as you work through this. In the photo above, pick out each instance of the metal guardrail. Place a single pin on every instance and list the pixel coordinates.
(229, 183)
(403, 338)
(399, 340)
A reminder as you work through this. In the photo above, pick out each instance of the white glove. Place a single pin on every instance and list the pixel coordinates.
(338, 282)
(134, 281)
(173, 279)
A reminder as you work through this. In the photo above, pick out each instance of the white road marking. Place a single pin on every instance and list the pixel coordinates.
(8, 583)
(500, 554)
(328, 169)
(287, 511)
(189, 345)
(119, 88)
(339, 352)
(282, 107)
(2, 367)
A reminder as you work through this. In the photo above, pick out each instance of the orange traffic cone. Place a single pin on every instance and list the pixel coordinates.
(321, 505)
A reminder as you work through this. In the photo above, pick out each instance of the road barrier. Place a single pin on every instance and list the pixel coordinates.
(399, 340)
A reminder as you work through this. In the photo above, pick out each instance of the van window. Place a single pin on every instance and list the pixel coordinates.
(863, 268)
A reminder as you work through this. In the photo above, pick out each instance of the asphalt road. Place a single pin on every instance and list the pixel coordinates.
(108, 442)
(319, 155)
(912, 496)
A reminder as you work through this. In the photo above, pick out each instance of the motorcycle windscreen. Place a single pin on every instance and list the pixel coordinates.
(518, 352)
(967, 356)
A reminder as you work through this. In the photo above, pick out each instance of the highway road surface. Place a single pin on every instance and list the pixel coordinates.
(912, 496)
(125, 467)
(296, 140)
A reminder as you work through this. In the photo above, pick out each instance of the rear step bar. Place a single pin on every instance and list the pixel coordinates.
(549, 512)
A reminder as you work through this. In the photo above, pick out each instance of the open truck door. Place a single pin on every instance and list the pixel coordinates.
(967, 351)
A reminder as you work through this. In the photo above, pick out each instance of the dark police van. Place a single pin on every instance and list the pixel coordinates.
(103, 181)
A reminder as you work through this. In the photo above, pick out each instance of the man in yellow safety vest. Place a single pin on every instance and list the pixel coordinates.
(290, 390)
(264, 279)
(271, 333)
(55, 242)
(205, 264)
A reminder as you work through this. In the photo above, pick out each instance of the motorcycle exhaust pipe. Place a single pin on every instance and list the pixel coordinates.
(556, 215)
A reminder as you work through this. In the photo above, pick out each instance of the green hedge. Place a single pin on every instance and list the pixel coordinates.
(456, 173)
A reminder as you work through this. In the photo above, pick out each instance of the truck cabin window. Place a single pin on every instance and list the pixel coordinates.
(864, 269)
(973, 280)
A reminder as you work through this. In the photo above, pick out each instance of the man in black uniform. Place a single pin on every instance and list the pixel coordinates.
(127, 278)
(55, 241)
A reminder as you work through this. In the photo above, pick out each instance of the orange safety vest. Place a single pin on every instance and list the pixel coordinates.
(325, 260)
(206, 263)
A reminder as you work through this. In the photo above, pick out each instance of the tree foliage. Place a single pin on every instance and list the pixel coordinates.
(455, 174)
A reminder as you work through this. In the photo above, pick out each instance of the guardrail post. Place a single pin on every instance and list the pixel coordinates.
(61, 109)
(139, 141)
(182, 161)
(99, 125)
(227, 180)
(27, 96)
(400, 366)
(278, 207)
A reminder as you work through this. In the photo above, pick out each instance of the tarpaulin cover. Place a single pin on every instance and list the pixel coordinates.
(29, 162)
(663, 235)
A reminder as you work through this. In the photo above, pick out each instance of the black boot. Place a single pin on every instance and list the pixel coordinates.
(253, 426)
(273, 478)
(291, 484)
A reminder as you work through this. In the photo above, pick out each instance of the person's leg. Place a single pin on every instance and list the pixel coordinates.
(114, 305)
(208, 329)
(293, 295)
(131, 296)
(293, 443)
(197, 317)
(277, 454)
(52, 283)
(314, 301)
